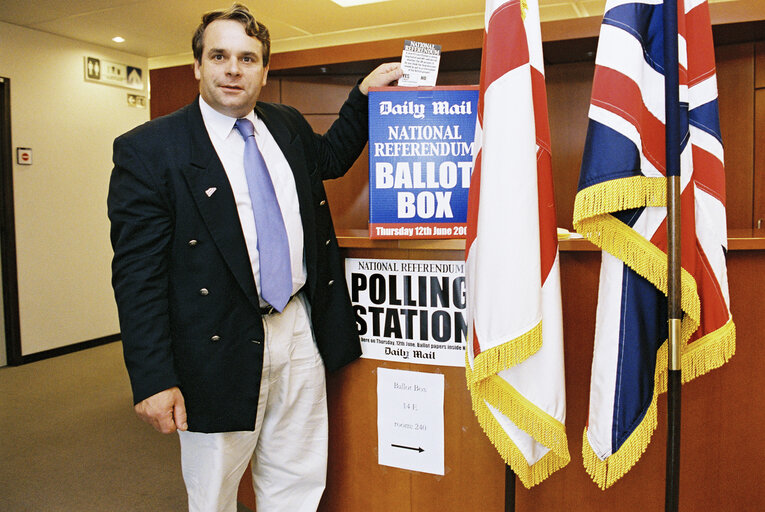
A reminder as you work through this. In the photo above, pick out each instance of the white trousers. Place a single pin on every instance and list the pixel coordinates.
(288, 447)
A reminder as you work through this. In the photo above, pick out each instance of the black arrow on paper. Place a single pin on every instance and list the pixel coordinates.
(420, 449)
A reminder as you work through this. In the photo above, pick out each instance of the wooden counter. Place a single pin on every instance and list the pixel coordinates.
(722, 439)
(738, 239)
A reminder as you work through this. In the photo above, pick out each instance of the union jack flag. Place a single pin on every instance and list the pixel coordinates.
(621, 207)
(515, 347)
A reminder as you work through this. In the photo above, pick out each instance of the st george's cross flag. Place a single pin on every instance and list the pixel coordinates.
(514, 359)
(621, 207)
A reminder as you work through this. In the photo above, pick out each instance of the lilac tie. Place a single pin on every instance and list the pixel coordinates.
(275, 273)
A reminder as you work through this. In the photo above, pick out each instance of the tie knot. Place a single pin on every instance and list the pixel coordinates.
(245, 127)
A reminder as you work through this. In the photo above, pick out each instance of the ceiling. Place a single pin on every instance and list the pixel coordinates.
(161, 30)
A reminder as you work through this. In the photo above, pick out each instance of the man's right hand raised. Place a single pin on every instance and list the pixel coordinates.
(165, 411)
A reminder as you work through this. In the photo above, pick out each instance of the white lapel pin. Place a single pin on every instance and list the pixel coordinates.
(210, 191)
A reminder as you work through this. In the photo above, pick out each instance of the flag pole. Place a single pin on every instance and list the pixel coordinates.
(509, 489)
(672, 111)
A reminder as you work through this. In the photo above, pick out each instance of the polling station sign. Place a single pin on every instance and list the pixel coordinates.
(409, 310)
(421, 149)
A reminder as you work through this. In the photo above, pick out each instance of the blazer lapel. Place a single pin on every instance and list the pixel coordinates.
(211, 190)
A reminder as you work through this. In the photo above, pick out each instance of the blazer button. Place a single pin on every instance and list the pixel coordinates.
(192, 243)
(215, 338)
(204, 292)
(257, 342)
(331, 282)
(323, 202)
(327, 242)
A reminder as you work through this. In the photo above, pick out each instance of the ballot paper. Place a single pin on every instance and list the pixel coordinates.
(419, 62)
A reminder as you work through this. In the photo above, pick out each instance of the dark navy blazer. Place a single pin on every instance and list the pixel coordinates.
(187, 300)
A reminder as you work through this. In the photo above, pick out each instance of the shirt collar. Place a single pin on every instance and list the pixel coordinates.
(220, 125)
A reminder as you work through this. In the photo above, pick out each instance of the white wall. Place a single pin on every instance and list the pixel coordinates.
(62, 231)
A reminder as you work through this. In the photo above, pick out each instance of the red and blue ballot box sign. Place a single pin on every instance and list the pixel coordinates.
(421, 149)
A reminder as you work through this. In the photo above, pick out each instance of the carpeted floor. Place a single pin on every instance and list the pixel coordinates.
(70, 441)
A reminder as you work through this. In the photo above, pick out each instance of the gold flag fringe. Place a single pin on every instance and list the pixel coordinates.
(710, 352)
(618, 195)
(501, 357)
(604, 472)
(592, 218)
(702, 356)
(542, 427)
(650, 262)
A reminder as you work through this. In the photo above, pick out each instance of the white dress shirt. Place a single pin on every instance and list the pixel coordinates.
(229, 145)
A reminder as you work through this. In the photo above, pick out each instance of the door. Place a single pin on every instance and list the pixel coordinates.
(10, 338)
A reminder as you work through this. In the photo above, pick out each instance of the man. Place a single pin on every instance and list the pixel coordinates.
(209, 352)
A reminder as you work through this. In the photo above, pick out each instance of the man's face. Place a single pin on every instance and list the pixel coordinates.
(230, 71)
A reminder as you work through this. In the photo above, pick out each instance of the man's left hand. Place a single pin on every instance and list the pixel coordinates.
(384, 74)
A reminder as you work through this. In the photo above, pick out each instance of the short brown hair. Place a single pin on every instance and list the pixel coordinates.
(236, 12)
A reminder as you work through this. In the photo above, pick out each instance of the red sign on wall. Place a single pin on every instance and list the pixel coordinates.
(24, 156)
